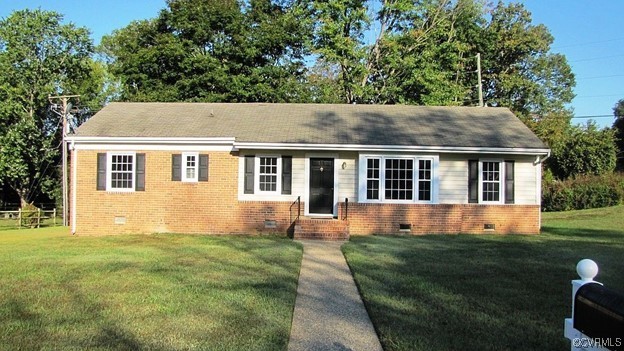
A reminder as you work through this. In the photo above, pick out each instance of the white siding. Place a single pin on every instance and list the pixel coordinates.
(347, 178)
(453, 179)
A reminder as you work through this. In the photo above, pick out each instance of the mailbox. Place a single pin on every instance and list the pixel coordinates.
(599, 313)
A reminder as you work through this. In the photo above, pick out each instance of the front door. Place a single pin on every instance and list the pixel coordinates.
(321, 186)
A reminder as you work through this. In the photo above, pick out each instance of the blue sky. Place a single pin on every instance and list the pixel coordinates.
(588, 32)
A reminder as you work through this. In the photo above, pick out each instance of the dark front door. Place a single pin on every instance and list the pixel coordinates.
(322, 185)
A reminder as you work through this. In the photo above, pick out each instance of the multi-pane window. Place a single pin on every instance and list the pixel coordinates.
(399, 183)
(121, 171)
(372, 179)
(189, 166)
(398, 178)
(424, 180)
(268, 174)
(491, 180)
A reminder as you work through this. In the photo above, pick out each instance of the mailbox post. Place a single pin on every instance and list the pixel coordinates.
(597, 321)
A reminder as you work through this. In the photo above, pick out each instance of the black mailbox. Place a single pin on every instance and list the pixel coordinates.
(599, 313)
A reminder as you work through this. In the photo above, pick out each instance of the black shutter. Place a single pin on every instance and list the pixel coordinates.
(286, 175)
(509, 182)
(249, 174)
(140, 172)
(473, 181)
(203, 168)
(176, 167)
(101, 171)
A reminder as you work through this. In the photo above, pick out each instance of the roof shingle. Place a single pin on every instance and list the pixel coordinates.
(398, 125)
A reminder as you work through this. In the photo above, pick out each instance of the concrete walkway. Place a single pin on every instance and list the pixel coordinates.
(329, 313)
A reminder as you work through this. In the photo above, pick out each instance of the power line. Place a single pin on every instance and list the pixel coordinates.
(597, 77)
(596, 58)
(594, 116)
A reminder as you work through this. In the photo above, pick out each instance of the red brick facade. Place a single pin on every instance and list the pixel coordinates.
(441, 219)
(213, 207)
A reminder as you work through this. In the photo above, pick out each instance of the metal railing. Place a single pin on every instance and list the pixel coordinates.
(346, 212)
(298, 203)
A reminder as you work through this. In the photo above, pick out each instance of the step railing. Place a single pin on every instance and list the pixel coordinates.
(298, 203)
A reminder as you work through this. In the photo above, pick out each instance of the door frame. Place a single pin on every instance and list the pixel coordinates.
(306, 198)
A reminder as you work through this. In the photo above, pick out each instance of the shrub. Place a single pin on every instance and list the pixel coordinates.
(582, 192)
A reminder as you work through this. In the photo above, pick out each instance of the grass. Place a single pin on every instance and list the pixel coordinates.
(484, 292)
(150, 292)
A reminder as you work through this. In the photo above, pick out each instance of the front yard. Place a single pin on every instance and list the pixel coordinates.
(469, 292)
(156, 292)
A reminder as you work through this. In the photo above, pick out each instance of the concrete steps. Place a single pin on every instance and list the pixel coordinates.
(322, 229)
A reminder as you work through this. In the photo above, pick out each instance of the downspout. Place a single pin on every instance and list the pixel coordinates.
(539, 161)
(74, 166)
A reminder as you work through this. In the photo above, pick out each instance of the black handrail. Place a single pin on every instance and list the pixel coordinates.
(346, 215)
(298, 202)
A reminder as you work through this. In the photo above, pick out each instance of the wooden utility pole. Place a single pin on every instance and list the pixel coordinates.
(64, 112)
(479, 85)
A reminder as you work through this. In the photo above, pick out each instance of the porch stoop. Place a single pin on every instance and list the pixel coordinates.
(322, 229)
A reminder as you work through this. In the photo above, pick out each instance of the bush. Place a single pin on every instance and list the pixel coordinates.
(582, 192)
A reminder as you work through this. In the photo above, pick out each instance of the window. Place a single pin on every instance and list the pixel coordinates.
(424, 180)
(121, 172)
(190, 162)
(267, 174)
(372, 179)
(399, 179)
(491, 181)
(405, 179)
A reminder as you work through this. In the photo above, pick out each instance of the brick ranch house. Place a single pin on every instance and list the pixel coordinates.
(317, 170)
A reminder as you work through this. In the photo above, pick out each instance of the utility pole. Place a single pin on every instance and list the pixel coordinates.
(64, 112)
(479, 85)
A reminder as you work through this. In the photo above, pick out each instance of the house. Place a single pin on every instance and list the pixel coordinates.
(325, 170)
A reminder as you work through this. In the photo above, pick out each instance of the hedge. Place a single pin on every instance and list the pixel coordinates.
(582, 192)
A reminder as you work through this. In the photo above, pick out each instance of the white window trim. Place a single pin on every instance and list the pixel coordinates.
(435, 181)
(184, 178)
(278, 186)
(501, 183)
(109, 171)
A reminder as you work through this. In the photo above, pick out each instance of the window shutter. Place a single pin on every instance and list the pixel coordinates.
(140, 172)
(101, 171)
(176, 167)
(249, 174)
(203, 168)
(509, 182)
(473, 181)
(286, 175)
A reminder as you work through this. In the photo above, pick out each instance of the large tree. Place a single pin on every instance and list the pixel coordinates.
(39, 56)
(226, 50)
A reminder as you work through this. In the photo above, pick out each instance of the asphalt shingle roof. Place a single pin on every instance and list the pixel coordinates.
(399, 125)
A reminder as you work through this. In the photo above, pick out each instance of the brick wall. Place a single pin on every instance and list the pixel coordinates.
(213, 207)
(367, 219)
(210, 207)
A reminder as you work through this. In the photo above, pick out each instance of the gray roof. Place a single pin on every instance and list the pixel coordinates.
(400, 125)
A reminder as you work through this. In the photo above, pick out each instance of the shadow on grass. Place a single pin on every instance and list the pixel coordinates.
(477, 292)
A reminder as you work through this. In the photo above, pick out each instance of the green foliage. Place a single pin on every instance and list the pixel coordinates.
(586, 150)
(213, 51)
(618, 128)
(583, 192)
(39, 56)
(29, 215)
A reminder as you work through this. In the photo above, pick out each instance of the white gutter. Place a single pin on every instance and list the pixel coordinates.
(539, 160)
(395, 148)
(152, 140)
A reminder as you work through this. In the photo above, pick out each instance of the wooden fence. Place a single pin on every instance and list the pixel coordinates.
(27, 218)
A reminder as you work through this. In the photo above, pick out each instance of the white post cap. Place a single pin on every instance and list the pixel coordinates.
(587, 269)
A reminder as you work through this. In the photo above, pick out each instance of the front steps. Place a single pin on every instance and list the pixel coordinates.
(322, 229)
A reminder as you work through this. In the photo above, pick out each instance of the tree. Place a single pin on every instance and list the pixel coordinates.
(38, 56)
(587, 150)
(618, 128)
(213, 51)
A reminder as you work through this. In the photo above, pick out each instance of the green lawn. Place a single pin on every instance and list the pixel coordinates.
(489, 292)
(150, 292)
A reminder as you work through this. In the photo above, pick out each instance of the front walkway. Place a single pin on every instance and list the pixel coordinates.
(329, 313)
